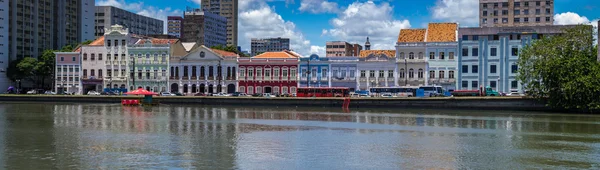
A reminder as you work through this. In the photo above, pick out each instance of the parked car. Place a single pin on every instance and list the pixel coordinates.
(257, 95)
(268, 95)
(166, 94)
(32, 92)
(178, 94)
(239, 94)
(94, 93)
(387, 95)
(514, 93)
(50, 92)
(199, 94)
(222, 94)
(364, 95)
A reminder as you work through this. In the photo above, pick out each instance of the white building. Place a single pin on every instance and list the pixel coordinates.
(67, 73)
(93, 66)
(376, 68)
(116, 39)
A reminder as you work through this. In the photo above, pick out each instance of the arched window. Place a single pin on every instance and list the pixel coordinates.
(219, 71)
(202, 73)
(411, 73)
(233, 72)
(420, 55)
(401, 73)
(420, 73)
(242, 89)
(250, 90)
(116, 42)
(210, 71)
(84, 73)
(194, 74)
(123, 42)
(99, 73)
(92, 73)
(172, 71)
(402, 55)
(411, 55)
(176, 71)
(242, 71)
(185, 71)
(108, 43)
(84, 56)
(92, 57)
(99, 56)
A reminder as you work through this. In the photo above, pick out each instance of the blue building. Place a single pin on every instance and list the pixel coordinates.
(314, 72)
(488, 56)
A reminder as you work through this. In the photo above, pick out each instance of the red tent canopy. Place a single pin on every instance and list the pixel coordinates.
(141, 91)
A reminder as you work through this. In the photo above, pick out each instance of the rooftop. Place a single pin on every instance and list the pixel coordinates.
(281, 54)
(224, 53)
(412, 35)
(387, 53)
(441, 32)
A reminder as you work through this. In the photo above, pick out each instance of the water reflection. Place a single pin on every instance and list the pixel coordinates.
(113, 137)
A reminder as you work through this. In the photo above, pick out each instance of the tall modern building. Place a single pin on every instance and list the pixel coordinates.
(37, 25)
(342, 49)
(137, 24)
(503, 13)
(269, 45)
(204, 28)
(175, 26)
(229, 10)
(4, 46)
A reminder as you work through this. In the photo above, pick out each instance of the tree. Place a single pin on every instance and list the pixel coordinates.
(13, 71)
(563, 70)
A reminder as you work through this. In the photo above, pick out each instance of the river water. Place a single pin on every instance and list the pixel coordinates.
(109, 136)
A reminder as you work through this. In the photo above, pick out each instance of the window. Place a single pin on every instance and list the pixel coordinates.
(323, 72)
(504, 4)
(411, 73)
(526, 4)
(495, 5)
(547, 19)
(496, 37)
(431, 55)
(390, 73)
(495, 20)
(401, 73)
(250, 90)
(474, 69)
(304, 73)
(267, 73)
(485, 20)
(537, 12)
(84, 56)
(494, 51)
(493, 84)
(514, 85)
(548, 3)
(517, 20)
(99, 56)
(526, 19)
(431, 74)
(547, 10)
(84, 72)
(465, 84)
(441, 74)
(537, 3)
(62, 59)
(411, 55)
(485, 5)
(526, 11)
(465, 69)
(475, 37)
(475, 51)
(465, 37)
(517, 4)
(401, 55)
(363, 73)
(484, 13)
(92, 57)
(504, 20)
(441, 55)
(381, 74)
(420, 55)
(465, 52)
(371, 73)
(493, 69)
(451, 74)
(420, 73)
(514, 68)
(504, 12)
(352, 72)
(293, 72)
(242, 72)
(451, 55)
(515, 51)
(73, 59)
(537, 19)
(474, 84)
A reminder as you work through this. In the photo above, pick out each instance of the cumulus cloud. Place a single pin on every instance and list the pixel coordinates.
(145, 10)
(258, 20)
(465, 12)
(569, 18)
(318, 6)
(319, 50)
(362, 20)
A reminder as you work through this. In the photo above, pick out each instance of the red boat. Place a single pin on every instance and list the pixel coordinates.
(323, 92)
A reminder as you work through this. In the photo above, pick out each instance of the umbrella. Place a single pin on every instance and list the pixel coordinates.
(11, 88)
(141, 91)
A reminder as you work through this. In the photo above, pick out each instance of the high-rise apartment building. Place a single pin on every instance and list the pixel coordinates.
(37, 25)
(342, 49)
(137, 24)
(229, 10)
(4, 46)
(204, 28)
(175, 26)
(269, 45)
(503, 13)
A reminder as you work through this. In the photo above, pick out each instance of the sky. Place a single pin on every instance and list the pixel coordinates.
(310, 23)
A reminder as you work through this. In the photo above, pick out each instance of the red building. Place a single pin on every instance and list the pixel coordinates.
(269, 72)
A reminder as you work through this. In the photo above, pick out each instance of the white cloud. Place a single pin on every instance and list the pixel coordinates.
(318, 6)
(465, 12)
(362, 20)
(569, 18)
(319, 50)
(141, 9)
(258, 20)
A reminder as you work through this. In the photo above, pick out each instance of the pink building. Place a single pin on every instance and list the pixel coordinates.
(67, 73)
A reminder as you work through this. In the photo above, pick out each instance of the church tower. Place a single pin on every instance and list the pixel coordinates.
(367, 44)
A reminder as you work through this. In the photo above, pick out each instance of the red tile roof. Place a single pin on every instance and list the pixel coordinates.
(387, 53)
(158, 41)
(412, 35)
(441, 32)
(224, 53)
(282, 54)
(96, 42)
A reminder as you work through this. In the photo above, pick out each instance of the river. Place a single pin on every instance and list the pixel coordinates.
(109, 136)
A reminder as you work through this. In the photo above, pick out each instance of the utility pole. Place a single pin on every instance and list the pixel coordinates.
(220, 74)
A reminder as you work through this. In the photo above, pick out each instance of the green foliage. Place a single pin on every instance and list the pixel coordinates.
(563, 69)
(230, 49)
(87, 42)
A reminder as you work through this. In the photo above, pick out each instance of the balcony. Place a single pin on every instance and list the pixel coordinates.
(230, 78)
(173, 78)
(194, 78)
(185, 78)
(202, 78)
(267, 78)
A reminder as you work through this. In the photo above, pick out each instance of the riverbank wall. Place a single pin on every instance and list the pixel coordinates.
(479, 103)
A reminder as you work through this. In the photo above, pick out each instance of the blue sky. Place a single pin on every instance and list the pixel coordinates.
(310, 23)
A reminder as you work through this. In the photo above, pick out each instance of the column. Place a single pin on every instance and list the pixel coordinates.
(329, 75)
(396, 75)
(357, 78)
(385, 74)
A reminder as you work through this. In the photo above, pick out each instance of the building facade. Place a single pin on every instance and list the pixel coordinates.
(488, 56)
(106, 16)
(204, 28)
(441, 49)
(259, 46)
(116, 42)
(342, 49)
(175, 26)
(45, 24)
(343, 72)
(67, 73)
(4, 44)
(229, 10)
(93, 66)
(314, 72)
(149, 63)
(411, 62)
(507, 13)
(203, 70)
(376, 68)
(270, 72)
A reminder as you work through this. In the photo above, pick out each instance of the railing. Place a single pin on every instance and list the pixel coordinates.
(202, 78)
(194, 77)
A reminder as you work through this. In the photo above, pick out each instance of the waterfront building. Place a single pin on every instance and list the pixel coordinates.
(4, 44)
(67, 73)
(175, 26)
(204, 28)
(342, 49)
(441, 44)
(149, 63)
(376, 68)
(199, 69)
(488, 56)
(92, 65)
(229, 10)
(106, 16)
(314, 71)
(411, 63)
(115, 46)
(270, 72)
(343, 72)
(38, 25)
(259, 46)
(508, 13)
